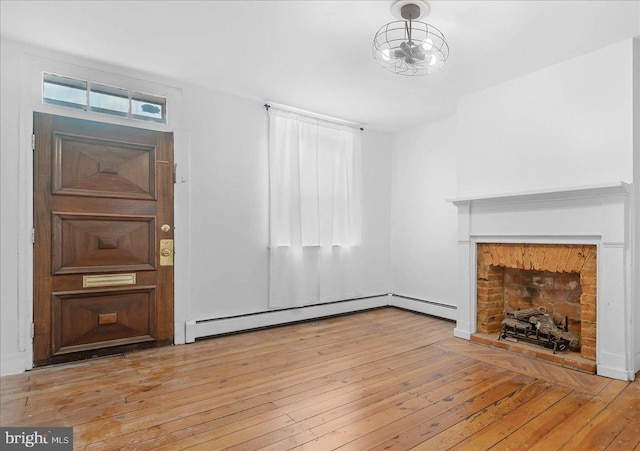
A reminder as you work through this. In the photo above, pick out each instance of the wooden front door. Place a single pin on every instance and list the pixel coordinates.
(103, 206)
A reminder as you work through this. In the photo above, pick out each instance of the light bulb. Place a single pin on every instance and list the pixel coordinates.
(427, 44)
(386, 54)
(434, 60)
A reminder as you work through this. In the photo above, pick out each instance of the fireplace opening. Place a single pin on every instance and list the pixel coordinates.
(558, 293)
(543, 308)
(538, 294)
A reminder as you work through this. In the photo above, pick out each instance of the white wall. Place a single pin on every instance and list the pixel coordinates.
(636, 196)
(229, 205)
(376, 211)
(221, 202)
(424, 242)
(565, 125)
(9, 126)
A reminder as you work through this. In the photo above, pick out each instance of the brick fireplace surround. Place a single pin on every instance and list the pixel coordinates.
(559, 234)
(553, 270)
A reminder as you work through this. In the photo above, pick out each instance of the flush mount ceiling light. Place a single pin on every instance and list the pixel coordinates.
(408, 46)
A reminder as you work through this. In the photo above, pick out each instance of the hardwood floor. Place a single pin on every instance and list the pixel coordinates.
(382, 379)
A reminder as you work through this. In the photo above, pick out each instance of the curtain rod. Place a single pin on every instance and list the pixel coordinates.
(309, 113)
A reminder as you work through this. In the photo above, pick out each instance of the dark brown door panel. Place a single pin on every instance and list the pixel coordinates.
(82, 319)
(96, 243)
(85, 166)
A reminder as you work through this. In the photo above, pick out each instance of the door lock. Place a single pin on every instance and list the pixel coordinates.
(166, 252)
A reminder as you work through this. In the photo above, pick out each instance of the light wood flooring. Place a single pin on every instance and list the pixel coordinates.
(381, 379)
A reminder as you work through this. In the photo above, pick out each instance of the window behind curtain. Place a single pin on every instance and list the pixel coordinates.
(315, 209)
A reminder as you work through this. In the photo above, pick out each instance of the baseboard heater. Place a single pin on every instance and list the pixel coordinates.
(217, 326)
(432, 308)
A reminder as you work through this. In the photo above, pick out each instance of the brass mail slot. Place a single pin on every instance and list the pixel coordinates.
(107, 280)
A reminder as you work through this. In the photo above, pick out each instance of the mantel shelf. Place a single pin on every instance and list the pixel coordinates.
(556, 193)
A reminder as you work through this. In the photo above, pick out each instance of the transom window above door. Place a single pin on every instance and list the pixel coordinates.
(99, 98)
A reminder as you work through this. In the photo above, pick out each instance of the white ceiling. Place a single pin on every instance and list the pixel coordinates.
(316, 55)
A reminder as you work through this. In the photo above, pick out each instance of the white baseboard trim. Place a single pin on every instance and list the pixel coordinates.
(421, 306)
(178, 334)
(12, 363)
(461, 334)
(204, 328)
(217, 326)
(614, 373)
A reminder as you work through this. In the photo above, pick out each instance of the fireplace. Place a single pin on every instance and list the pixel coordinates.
(567, 251)
(557, 279)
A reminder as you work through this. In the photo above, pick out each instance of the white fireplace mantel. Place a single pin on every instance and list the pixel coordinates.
(546, 194)
(598, 215)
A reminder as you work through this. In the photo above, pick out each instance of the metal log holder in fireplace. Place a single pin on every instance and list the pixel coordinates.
(535, 325)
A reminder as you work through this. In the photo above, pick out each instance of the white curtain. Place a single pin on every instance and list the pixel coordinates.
(315, 210)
